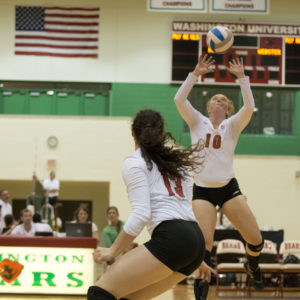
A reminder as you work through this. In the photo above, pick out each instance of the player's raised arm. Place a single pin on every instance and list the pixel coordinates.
(184, 107)
(242, 118)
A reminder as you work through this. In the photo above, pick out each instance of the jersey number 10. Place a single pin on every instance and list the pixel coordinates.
(216, 143)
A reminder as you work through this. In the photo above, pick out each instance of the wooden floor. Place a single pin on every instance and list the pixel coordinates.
(180, 292)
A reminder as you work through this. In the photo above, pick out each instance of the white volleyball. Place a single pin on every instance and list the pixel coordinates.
(219, 39)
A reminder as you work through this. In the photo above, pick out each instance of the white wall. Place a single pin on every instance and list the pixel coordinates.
(272, 190)
(93, 149)
(135, 45)
(89, 149)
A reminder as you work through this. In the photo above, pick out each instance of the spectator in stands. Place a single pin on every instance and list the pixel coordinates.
(6, 208)
(81, 215)
(115, 226)
(51, 187)
(39, 225)
(27, 227)
(10, 224)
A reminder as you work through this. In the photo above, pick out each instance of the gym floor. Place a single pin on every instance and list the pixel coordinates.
(179, 292)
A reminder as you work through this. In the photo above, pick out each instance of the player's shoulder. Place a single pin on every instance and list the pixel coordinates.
(134, 160)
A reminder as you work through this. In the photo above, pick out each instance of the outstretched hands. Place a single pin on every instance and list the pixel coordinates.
(203, 65)
(236, 67)
(206, 62)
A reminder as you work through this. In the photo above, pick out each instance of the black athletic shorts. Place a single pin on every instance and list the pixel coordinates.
(53, 200)
(217, 196)
(178, 244)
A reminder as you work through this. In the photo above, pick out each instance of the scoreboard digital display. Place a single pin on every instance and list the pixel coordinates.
(271, 53)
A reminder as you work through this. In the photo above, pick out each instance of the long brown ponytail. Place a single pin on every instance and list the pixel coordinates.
(172, 161)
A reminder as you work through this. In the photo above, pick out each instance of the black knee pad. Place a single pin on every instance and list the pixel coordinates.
(97, 293)
(201, 289)
(256, 248)
(207, 257)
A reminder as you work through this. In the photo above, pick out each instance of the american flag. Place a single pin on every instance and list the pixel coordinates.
(57, 31)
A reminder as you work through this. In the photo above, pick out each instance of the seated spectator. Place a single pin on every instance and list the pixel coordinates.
(10, 224)
(27, 228)
(39, 225)
(6, 208)
(112, 230)
(81, 215)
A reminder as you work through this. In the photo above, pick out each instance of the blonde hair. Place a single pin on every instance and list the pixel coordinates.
(229, 102)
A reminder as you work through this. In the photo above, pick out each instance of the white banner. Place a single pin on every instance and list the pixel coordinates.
(175, 6)
(239, 6)
(46, 270)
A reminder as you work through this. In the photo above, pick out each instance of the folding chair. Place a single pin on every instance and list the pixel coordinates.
(229, 255)
(290, 270)
(270, 267)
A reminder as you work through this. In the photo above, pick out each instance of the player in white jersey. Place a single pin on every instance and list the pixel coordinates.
(214, 181)
(159, 189)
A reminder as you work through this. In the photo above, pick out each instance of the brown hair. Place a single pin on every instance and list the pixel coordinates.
(25, 210)
(76, 213)
(172, 161)
(229, 102)
(117, 211)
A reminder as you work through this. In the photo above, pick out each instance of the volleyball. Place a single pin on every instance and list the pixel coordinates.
(219, 39)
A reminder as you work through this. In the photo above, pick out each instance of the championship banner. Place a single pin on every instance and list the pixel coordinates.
(239, 6)
(197, 6)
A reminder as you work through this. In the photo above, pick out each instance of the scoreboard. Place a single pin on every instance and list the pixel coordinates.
(271, 53)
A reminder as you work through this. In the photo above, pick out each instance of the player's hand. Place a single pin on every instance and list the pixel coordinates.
(236, 67)
(102, 254)
(205, 272)
(204, 64)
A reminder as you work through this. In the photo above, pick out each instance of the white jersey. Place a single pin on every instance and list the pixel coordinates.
(154, 198)
(49, 185)
(217, 167)
(20, 230)
(42, 227)
(6, 209)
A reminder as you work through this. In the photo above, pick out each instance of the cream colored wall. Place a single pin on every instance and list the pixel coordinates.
(92, 149)
(135, 44)
(272, 190)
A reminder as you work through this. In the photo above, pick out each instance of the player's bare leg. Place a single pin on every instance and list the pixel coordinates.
(241, 216)
(140, 268)
(206, 215)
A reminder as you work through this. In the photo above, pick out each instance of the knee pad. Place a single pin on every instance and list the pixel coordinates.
(97, 293)
(256, 248)
(207, 257)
